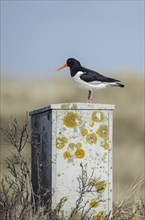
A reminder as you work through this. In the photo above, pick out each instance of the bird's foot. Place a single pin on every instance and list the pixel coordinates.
(90, 96)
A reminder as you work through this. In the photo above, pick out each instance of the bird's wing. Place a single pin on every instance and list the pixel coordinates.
(90, 76)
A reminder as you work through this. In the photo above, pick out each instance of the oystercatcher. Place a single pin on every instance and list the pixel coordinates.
(89, 79)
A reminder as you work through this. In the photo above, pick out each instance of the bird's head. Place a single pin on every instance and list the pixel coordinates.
(71, 63)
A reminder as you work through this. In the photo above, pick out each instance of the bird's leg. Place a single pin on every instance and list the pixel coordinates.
(90, 96)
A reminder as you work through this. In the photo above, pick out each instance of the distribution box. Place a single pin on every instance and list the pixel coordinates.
(72, 156)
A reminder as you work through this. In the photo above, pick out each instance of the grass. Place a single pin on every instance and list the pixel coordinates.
(17, 196)
(19, 97)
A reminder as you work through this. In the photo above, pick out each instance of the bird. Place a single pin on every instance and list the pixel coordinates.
(89, 79)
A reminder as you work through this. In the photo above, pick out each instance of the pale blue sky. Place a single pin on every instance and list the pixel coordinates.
(39, 36)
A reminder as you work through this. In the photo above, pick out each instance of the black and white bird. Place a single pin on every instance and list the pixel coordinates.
(89, 79)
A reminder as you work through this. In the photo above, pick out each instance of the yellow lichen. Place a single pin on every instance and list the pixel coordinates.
(97, 116)
(63, 199)
(91, 138)
(100, 186)
(71, 120)
(92, 182)
(65, 106)
(101, 215)
(79, 153)
(60, 142)
(106, 145)
(93, 203)
(104, 156)
(103, 131)
(78, 145)
(66, 154)
(71, 145)
(84, 132)
(58, 174)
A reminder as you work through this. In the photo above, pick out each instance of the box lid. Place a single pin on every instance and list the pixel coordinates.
(73, 106)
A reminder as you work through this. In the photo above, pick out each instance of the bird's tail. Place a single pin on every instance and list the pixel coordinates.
(120, 85)
(116, 84)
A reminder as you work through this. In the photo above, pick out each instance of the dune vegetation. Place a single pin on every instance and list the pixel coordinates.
(20, 97)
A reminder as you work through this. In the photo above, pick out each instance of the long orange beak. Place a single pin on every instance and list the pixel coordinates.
(60, 68)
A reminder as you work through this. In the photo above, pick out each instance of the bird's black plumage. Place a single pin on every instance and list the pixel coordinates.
(89, 79)
(89, 75)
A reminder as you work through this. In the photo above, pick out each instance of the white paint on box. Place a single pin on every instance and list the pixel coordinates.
(79, 138)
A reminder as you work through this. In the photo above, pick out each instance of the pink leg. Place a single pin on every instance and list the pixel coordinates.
(90, 96)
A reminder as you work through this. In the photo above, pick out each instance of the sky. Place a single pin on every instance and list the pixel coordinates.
(39, 36)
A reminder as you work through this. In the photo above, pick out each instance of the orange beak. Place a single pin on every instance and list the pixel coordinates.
(60, 68)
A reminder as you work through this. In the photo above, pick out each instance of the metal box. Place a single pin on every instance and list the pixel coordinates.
(72, 156)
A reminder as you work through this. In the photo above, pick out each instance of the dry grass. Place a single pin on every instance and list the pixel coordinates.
(17, 196)
(19, 97)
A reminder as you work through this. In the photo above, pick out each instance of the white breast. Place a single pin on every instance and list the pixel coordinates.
(79, 82)
(86, 85)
